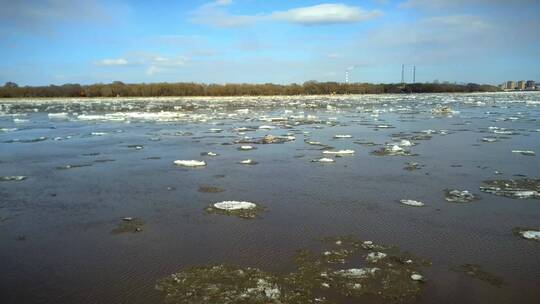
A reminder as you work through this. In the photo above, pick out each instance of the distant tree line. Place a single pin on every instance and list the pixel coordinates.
(118, 88)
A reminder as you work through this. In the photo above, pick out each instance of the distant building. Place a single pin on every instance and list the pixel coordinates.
(521, 85)
(530, 85)
(511, 85)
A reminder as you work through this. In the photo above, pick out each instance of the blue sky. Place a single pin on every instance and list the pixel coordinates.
(257, 41)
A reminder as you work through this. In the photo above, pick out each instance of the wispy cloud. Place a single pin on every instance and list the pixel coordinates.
(113, 62)
(438, 4)
(325, 14)
(217, 15)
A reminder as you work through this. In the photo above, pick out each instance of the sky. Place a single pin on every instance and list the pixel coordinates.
(261, 41)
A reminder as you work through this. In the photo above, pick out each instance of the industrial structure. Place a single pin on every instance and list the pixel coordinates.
(521, 85)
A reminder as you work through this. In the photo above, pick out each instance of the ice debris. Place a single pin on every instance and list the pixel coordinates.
(339, 136)
(324, 160)
(248, 162)
(413, 203)
(317, 279)
(242, 209)
(519, 188)
(528, 233)
(12, 178)
(190, 163)
(524, 152)
(459, 196)
(339, 152)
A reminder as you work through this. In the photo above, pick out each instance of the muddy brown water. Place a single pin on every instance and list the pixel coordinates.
(56, 244)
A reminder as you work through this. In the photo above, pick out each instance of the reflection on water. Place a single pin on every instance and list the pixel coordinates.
(73, 171)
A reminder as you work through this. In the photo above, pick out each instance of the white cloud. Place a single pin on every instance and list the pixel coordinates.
(439, 4)
(214, 14)
(113, 62)
(325, 14)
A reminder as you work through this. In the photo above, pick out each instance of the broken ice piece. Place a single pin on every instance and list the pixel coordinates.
(524, 152)
(412, 203)
(339, 152)
(248, 162)
(324, 160)
(13, 178)
(190, 163)
(245, 148)
(459, 196)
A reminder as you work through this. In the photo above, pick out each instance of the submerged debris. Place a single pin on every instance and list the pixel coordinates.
(190, 163)
(532, 234)
(396, 278)
(459, 196)
(476, 272)
(129, 224)
(412, 203)
(210, 189)
(242, 209)
(519, 188)
(12, 178)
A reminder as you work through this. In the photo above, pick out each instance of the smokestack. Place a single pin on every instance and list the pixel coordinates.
(402, 74)
(414, 75)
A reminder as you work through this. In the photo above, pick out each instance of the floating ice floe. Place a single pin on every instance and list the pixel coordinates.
(405, 143)
(358, 273)
(339, 152)
(417, 277)
(248, 162)
(530, 234)
(519, 188)
(5, 130)
(216, 130)
(234, 205)
(267, 139)
(442, 110)
(411, 166)
(324, 160)
(524, 152)
(58, 115)
(339, 136)
(374, 257)
(242, 209)
(31, 140)
(98, 133)
(413, 203)
(190, 163)
(266, 127)
(489, 139)
(459, 196)
(13, 178)
(209, 154)
(391, 150)
(245, 148)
